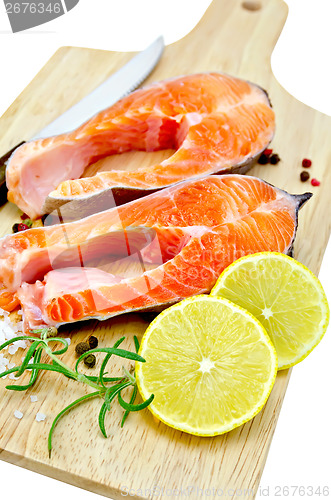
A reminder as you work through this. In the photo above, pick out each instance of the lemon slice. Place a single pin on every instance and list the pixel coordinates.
(284, 296)
(209, 364)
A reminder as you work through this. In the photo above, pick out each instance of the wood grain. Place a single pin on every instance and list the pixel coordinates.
(145, 456)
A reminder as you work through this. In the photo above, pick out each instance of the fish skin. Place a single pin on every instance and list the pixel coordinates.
(200, 227)
(216, 123)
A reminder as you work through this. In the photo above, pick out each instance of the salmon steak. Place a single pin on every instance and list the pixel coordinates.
(215, 123)
(180, 238)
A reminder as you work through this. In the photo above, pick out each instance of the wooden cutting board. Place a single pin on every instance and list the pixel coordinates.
(147, 456)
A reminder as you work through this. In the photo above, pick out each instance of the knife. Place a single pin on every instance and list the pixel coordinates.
(118, 85)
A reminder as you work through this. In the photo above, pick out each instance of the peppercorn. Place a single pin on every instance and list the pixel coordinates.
(20, 226)
(315, 182)
(93, 342)
(90, 360)
(306, 163)
(267, 152)
(51, 331)
(82, 348)
(304, 176)
(24, 216)
(263, 160)
(274, 159)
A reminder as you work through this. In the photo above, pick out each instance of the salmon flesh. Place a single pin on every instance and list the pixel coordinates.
(215, 123)
(178, 241)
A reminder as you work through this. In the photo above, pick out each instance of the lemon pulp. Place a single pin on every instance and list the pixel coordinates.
(209, 364)
(284, 295)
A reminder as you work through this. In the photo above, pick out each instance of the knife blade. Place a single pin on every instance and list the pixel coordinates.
(118, 85)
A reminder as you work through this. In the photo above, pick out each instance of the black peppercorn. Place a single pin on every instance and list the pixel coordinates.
(274, 159)
(93, 342)
(90, 361)
(263, 160)
(304, 176)
(82, 348)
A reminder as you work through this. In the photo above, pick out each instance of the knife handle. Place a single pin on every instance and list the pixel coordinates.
(3, 164)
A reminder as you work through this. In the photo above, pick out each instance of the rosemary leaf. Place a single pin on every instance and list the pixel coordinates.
(65, 410)
(131, 407)
(109, 396)
(105, 379)
(105, 361)
(132, 400)
(102, 415)
(33, 377)
(122, 353)
(112, 391)
(15, 339)
(28, 356)
(8, 372)
(136, 343)
(51, 368)
(63, 341)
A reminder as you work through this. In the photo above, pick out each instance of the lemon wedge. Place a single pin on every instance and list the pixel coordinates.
(284, 295)
(209, 363)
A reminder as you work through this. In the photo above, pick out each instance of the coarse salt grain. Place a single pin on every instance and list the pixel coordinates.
(12, 349)
(40, 417)
(9, 330)
(18, 414)
(3, 312)
(68, 340)
(34, 399)
(3, 361)
(3, 364)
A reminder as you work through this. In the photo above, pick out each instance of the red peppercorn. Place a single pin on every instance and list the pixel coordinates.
(24, 216)
(315, 182)
(22, 227)
(267, 152)
(306, 163)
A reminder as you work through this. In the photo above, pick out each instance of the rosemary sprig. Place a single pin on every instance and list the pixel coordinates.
(107, 388)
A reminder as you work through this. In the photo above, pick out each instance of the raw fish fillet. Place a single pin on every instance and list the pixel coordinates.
(215, 122)
(183, 237)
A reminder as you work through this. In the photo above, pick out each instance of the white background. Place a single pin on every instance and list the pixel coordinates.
(299, 454)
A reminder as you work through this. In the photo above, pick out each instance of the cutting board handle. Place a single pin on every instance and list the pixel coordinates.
(250, 35)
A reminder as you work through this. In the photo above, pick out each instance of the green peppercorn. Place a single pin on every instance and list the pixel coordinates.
(82, 348)
(93, 342)
(51, 331)
(90, 361)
